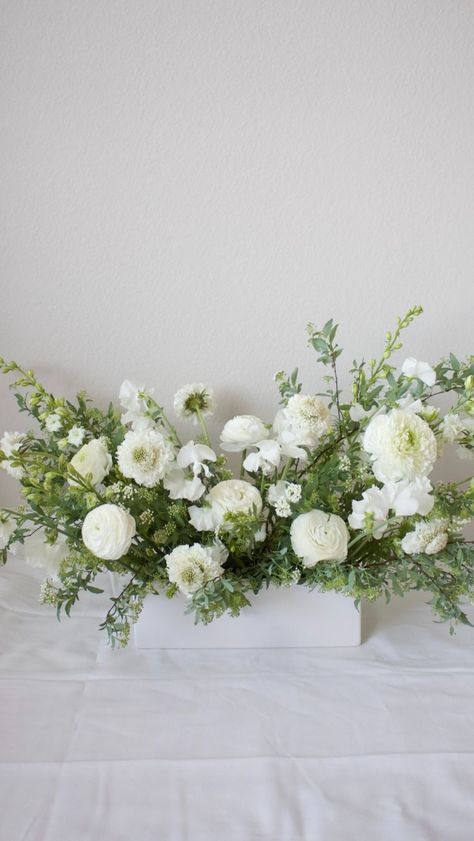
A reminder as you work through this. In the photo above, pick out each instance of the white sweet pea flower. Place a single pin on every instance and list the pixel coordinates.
(108, 531)
(44, 555)
(409, 498)
(195, 456)
(135, 406)
(94, 460)
(242, 432)
(318, 536)
(404, 498)
(401, 446)
(230, 496)
(409, 404)
(266, 459)
(180, 486)
(415, 369)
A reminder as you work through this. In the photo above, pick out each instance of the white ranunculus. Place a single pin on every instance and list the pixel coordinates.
(242, 432)
(318, 536)
(44, 555)
(7, 527)
(53, 422)
(135, 406)
(401, 446)
(94, 460)
(75, 436)
(231, 496)
(267, 458)
(108, 531)
(413, 368)
(428, 538)
(190, 567)
(145, 456)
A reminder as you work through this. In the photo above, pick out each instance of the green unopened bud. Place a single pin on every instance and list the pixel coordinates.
(469, 383)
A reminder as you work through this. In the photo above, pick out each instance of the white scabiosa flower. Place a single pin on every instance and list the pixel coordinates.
(242, 432)
(75, 436)
(231, 496)
(266, 459)
(7, 527)
(92, 461)
(401, 446)
(132, 399)
(415, 369)
(190, 567)
(301, 424)
(42, 555)
(145, 456)
(108, 531)
(428, 538)
(193, 400)
(53, 422)
(318, 536)
(10, 444)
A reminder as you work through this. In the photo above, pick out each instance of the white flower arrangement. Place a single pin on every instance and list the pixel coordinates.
(334, 492)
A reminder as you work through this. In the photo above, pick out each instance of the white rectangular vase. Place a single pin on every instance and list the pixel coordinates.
(280, 617)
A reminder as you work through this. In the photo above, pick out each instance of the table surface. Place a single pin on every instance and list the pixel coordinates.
(372, 743)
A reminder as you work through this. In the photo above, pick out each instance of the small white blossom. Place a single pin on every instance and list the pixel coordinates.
(180, 486)
(293, 492)
(76, 436)
(10, 444)
(428, 537)
(132, 399)
(283, 508)
(413, 368)
(145, 456)
(53, 422)
(195, 456)
(193, 399)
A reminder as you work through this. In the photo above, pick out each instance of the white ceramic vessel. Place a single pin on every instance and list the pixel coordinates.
(280, 617)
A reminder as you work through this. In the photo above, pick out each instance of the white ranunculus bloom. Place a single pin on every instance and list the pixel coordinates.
(267, 458)
(231, 496)
(7, 527)
(428, 538)
(94, 460)
(401, 446)
(53, 422)
(194, 399)
(108, 531)
(76, 436)
(242, 432)
(135, 406)
(413, 368)
(301, 424)
(190, 567)
(145, 456)
(44, 555)
(318, 536)
(179, 486)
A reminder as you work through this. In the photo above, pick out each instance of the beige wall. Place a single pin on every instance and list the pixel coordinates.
(185, 184)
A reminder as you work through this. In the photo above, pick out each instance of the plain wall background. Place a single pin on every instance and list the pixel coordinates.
(185, 184)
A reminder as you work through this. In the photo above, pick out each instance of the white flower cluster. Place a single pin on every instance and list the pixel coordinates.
(190, 567)
(281, 495)
(429, 537)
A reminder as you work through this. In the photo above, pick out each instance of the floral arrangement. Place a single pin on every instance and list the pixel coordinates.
(334, 493)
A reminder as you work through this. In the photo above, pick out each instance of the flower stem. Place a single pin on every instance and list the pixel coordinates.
(205, 432)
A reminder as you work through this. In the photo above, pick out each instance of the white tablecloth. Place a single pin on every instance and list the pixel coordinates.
(372, 743)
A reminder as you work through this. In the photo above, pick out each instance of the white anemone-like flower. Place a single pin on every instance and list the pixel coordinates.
(7, 527)
(93, 460)
(230, 496)
(75, 436)
(108, 531)
(145, 456)
(53, 422)
(300, 424)
(131, 399)
(428, 537)
(266, 459)
(318, 536)
(190, 567)
(401, 446)
(415, 369)
(10, 444)
(194, 399)
(404, 498)
(242, 432)
(44, 555)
